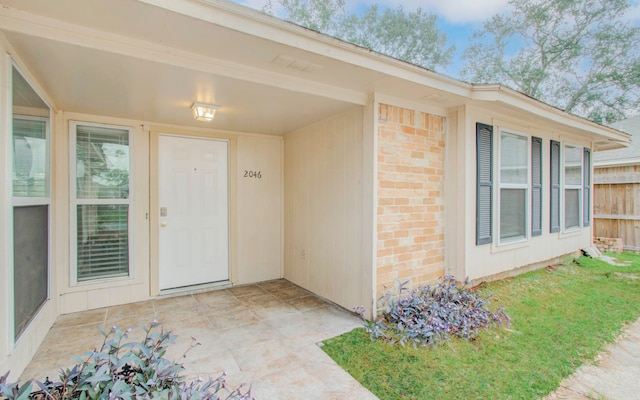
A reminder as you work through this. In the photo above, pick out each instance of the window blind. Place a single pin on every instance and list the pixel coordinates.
(102, 163)
(103, 241)
(102, 202)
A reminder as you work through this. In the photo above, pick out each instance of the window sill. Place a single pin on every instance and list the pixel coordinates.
(509, 245)
(573, 232)
(103, 283)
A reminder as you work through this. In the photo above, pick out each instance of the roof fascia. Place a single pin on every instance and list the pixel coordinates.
(246, 20)
(505, 95)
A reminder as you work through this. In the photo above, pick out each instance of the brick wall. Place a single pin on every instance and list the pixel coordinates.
(608, 244)
(410, 197)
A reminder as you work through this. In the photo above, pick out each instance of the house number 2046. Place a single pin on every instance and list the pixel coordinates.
(253, 174)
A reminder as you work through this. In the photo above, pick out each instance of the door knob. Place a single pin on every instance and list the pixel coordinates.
(163, 224)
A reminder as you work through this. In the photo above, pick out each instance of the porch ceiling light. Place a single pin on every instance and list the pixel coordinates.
(204, 112)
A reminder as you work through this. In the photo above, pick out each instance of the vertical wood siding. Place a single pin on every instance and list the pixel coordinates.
(259, 204)
(616, 204)
(323, 203)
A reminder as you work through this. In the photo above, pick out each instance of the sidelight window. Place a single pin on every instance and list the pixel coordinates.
(101, 201)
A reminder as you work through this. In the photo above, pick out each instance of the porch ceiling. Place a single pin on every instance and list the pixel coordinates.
(97, 82)
(129, 59)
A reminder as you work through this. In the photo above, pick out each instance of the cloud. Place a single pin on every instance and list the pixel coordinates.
(464, 11)
(634, 13)
(453, 11)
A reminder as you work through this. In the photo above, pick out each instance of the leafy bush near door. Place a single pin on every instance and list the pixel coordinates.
(125, 370)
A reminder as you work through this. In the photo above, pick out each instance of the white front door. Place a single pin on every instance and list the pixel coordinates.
(194, 211)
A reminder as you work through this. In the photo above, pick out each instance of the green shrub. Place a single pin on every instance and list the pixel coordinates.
(122, 370)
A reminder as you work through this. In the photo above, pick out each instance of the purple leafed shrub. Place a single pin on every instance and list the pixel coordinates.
(122, 370)
(430, 314)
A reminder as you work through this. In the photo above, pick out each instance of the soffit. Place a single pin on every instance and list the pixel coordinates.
(241, 44)
(177, 60)
(96, 82)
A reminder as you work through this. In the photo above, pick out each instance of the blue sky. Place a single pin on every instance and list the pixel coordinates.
(457, 18)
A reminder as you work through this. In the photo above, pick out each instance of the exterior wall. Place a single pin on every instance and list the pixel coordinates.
(255, 207)
(257, 248)
(260, 203)
(102, 292)
(410, 210)
(616, 204)
(323, 209)
(493, 260)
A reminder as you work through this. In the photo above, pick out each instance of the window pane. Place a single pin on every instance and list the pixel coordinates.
(103, 241)
(514, 159)
(573, 165)
(102, 163)
(571, 208)
(30, 157)
(512, 213)
(30, 263)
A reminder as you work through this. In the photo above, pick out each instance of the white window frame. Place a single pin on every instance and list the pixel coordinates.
(20, 201)
(74, 202)
(565, 186)
(526, 186)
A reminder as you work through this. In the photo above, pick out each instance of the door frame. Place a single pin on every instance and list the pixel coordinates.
(154, 206)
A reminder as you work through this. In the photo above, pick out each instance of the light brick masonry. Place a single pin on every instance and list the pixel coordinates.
(410, 206)
(608, 244)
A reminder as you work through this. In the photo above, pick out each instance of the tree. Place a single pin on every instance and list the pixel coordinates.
(578, 55)
(410, 36)
(318, 15)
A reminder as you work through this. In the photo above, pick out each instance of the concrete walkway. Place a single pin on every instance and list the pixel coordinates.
(615, 374)
(265, 335)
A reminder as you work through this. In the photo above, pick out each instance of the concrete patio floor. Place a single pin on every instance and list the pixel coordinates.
(264, 335)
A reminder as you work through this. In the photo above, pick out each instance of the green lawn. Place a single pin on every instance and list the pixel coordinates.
(560, 319)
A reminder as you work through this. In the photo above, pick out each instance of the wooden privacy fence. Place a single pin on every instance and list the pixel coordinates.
(616, 204)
